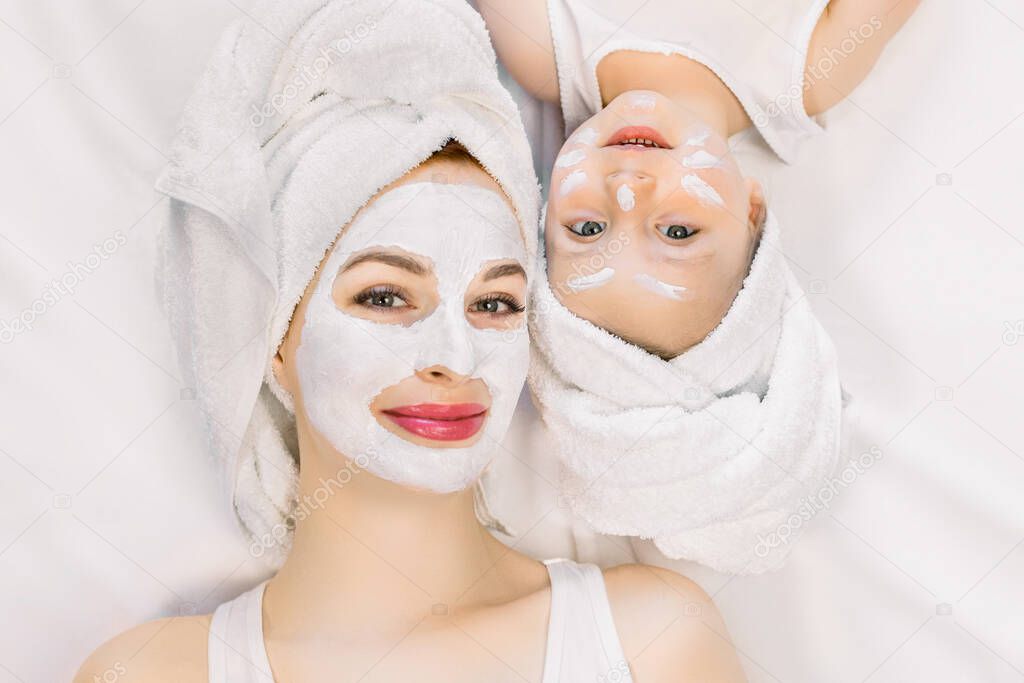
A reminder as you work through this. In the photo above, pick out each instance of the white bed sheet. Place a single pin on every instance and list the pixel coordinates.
(903, 222)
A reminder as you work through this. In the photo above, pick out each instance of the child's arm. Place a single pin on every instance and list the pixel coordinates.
(847, 41)
(522, 38)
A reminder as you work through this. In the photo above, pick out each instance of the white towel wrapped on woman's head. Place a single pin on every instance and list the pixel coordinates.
(707, 453)
(306, 110)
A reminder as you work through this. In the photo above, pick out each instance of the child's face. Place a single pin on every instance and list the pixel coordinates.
(650, 241)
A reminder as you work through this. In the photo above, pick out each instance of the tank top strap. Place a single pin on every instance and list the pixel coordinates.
(582, 643)
(236, 650)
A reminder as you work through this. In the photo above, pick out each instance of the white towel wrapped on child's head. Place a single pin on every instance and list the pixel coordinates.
(707, 453)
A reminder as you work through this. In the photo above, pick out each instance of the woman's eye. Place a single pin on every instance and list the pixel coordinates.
(676, 232)
(381, 297)
(386, 300)
(497, 305)
(587, 228)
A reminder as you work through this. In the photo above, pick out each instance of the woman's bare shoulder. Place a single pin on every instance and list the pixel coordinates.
(521, 35)
(161, 651)
(669, 627)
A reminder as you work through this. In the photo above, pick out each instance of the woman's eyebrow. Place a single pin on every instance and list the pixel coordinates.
(504, 270)
(390, 259)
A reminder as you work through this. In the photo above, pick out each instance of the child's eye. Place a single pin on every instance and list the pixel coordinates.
(495, 304)
(384, 296)
(676, 232)
(587, 228)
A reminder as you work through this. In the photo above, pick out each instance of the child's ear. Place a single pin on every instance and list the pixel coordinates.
(758, 207)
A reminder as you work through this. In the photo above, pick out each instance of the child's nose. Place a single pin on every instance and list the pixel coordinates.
(640, 178)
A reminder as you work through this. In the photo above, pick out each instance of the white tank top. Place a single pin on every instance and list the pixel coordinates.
(582, 644)
(758, 48)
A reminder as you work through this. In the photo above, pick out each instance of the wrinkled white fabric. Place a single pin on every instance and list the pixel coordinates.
(709, 452)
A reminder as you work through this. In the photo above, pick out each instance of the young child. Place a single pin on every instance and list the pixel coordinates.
(692, 395)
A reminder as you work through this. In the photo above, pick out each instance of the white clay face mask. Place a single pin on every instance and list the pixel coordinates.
(344, 362)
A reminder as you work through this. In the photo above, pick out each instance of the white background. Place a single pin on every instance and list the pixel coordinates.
(903, 223)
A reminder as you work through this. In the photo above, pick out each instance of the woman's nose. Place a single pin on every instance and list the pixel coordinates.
(441, 375)
(446, 345)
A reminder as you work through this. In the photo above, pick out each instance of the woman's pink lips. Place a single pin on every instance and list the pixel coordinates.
(440, 421)
(629, 132)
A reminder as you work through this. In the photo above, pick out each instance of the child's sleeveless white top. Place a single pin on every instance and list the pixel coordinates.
(758, 48)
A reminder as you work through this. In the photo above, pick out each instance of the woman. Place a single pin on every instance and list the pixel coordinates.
(390, 337)
(693, 397)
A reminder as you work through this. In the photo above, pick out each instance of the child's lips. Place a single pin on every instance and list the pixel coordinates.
(639, 137)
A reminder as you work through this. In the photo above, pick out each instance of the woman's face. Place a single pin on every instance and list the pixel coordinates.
(413, 351)
(650, 227)
(444, 404)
